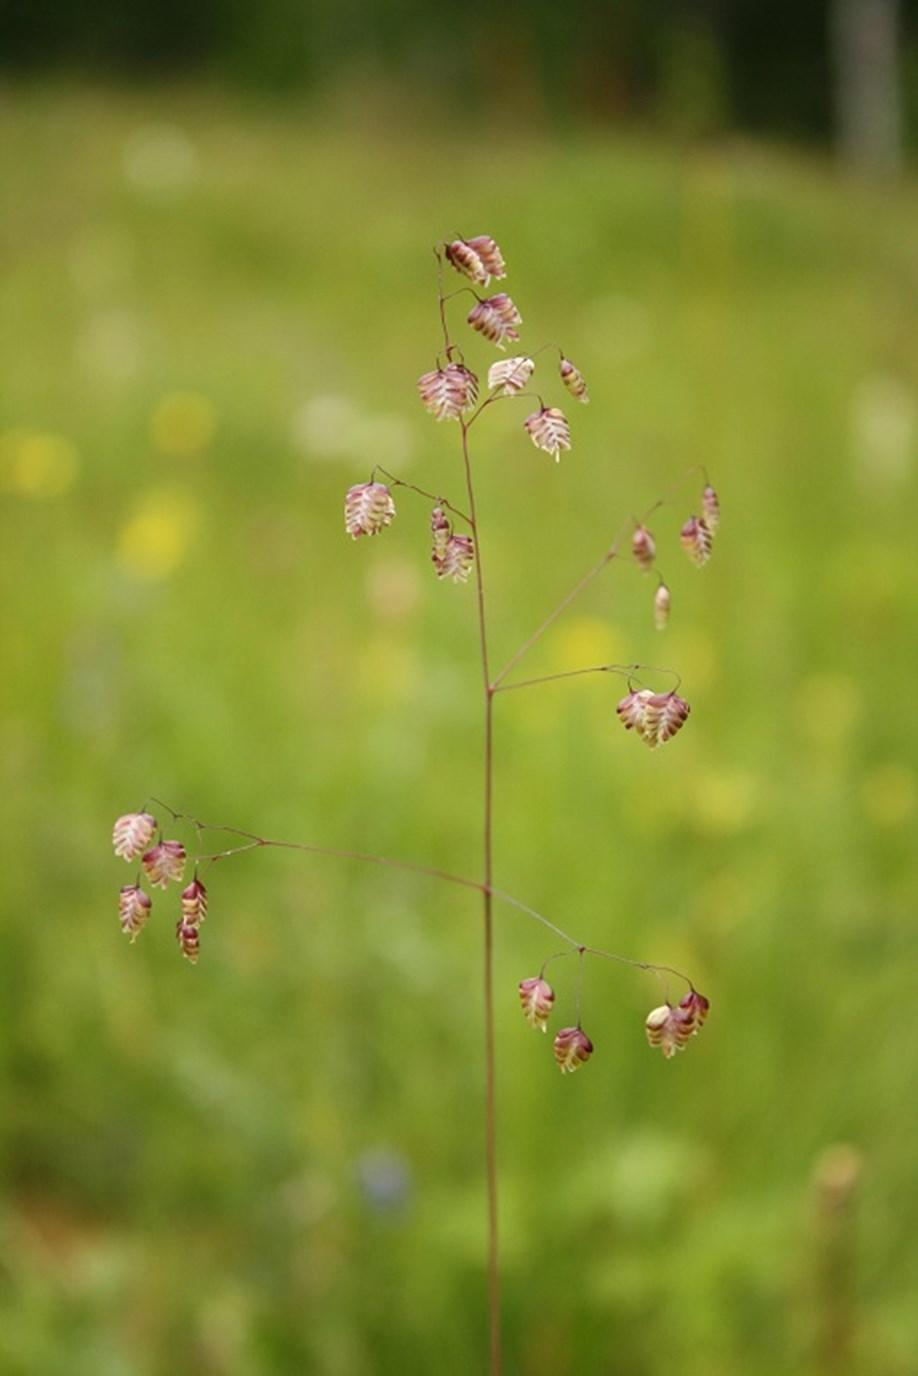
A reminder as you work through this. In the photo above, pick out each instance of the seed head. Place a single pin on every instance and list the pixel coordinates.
(490, 255)
(670, 1028)
(496, 318)
(132, 833)
(536, 999)
(655, 717)
(661, 605)
(572, 1048)
(458, 558)
(710, 505)
(447, 392)
(696, 540)
(465, 259)
(188, 936)
(572, 378)
(194, 903)
(548, 429)
(368, 508)
(643, 547)
(441, 530)
(133, 910)
(697, 1007)
(164, 862)
(510, 375)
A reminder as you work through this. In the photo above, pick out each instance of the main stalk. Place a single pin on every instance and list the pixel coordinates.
(488, 938)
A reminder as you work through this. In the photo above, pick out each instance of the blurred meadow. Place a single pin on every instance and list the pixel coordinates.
(214, 311)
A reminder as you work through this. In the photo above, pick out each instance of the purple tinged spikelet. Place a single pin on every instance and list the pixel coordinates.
(655, 717)
(165, 862)
(536, 1000)
(368, 509)
(194, 903)
(489, 254)
(134, 908)
(510, 375)
(548, 429)
(671, 1028)
(696, 540)
(452, 555)
(572, 1048)
(573, 380)
(188, 936)
(448, 392)
(662, 603)
(466, 259)
(710, 505)
(643, 547)
(132, 834)
(496, 318)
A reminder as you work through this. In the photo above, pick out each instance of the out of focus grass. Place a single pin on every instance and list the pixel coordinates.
(213, 319)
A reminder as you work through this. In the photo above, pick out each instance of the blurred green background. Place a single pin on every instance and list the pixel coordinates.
(215, 307)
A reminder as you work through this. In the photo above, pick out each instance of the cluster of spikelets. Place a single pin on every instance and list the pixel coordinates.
(452, 555)
(697, 539)
(653, 717)
(163, 864)
(667, 1027)
(452, 390)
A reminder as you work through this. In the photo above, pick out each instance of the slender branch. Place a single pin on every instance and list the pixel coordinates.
(628, 671)
(610, 554)
(422, 492)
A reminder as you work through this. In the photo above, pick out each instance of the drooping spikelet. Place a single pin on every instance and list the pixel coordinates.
(133, 909)
(489, 254)
(447, 392)
(458, 558)
(655, 717)
(194, 903)
(710, 505)
(696, 540)
(572, 1047)
(536, 999)
(132, 834)
(496, 318)
(465, 259)
(164, 862)
(368, 508)
(188, 936)
(510, 375)
(548, 429)
(441, 530)
(661, 606)
(643, 547)
(670, 1028)
(572, 378)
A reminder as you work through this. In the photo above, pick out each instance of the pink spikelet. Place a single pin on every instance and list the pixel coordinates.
(536, 1000)
(448, 392)
(441, 530)
(496, 318)
(655, 717)
(696, 540)
(188, 936)
(490, 256)
(548, 429)
(710, 505)
(467, 260)
(572, 1048)
(164, 862)
(671, 1028)
(132, 834)
(368, 509)
(573, 381)
(662, 603)
(643, 547)
(194, 903)
(133, 910)
(510, 375)
(458, 559)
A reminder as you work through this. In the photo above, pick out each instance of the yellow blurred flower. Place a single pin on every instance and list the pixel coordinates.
(584, 641)
(889, 794)
(828, 706)
(154, 540)
(37, 465)
(723, 803)
(182, 424)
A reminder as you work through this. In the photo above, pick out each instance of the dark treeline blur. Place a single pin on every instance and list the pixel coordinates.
(704, 64)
